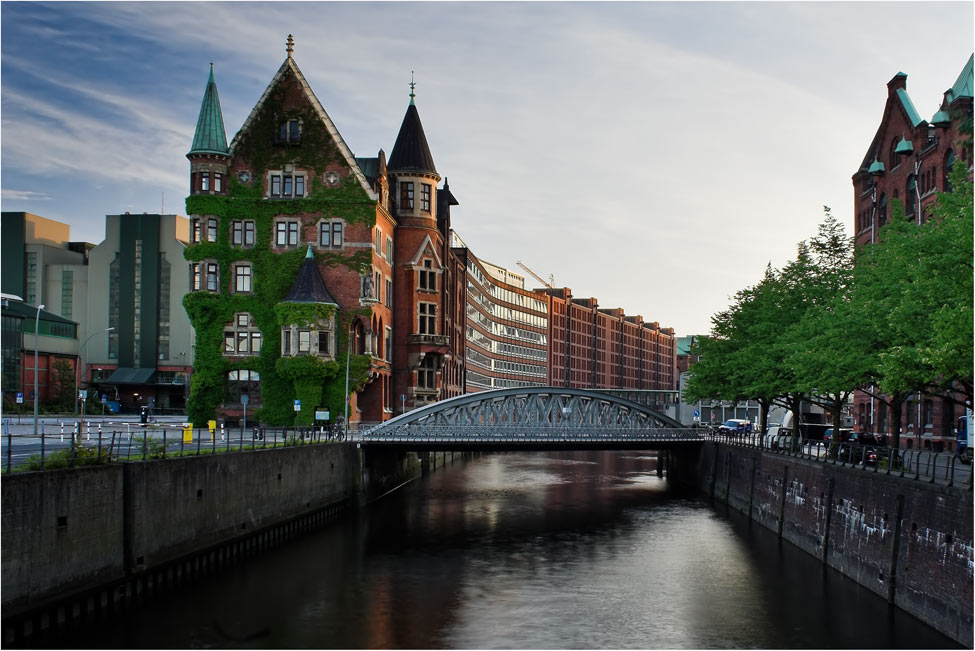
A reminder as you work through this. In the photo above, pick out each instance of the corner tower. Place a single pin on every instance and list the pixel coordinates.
(421, 333)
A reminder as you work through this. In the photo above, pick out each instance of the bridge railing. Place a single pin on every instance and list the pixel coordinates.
(922, 465)
(521, 433)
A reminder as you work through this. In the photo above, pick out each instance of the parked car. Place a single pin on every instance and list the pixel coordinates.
(735, 426)
(845, 434)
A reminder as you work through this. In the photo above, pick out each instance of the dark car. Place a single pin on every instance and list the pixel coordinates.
(735, 426)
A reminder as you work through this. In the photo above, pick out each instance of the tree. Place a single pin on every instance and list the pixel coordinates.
(61, 397)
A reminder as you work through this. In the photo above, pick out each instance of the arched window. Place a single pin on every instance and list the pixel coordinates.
(895, 158)
(949, 162)
(882, 213)
(910, 197)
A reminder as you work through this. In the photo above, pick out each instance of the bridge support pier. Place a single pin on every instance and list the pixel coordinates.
(424, 463)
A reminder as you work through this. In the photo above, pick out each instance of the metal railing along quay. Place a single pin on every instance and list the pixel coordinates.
(921, 465)
(68, 444)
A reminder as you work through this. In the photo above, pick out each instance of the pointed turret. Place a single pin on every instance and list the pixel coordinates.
(309, 286)
(210, 137)
(209, 153)
(411, 153)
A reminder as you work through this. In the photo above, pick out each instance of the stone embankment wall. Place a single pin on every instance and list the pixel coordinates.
(111, 528)
(909, 541)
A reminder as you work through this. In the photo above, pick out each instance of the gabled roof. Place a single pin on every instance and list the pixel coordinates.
(309, 287)
(963, 85)
(210, 137)
(290, 65)
(411, 153)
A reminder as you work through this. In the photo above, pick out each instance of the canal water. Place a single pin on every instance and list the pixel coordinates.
(538, 551)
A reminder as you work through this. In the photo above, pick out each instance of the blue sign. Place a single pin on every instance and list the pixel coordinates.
(297, 405)
(20, 397)
(697, 414)
(104, 398)
(244, 398)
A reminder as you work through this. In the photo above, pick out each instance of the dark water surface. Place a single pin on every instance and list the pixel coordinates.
(537, 551)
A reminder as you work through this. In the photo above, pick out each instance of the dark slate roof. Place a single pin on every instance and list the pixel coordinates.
(411, 153)
(210, 137)
(309, 286)
(369, 167)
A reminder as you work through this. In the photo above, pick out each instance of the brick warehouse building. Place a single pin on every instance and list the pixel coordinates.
(303, 255)
(909, 160)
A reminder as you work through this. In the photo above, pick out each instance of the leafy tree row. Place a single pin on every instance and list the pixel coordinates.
(890, 319)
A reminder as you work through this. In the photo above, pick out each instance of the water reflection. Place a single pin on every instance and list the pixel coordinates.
(560, 550)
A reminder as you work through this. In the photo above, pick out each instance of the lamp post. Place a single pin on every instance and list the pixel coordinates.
(81, 366)
(348, 358)
(37, 323)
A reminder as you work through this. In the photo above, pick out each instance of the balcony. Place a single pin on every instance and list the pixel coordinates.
(428, 340)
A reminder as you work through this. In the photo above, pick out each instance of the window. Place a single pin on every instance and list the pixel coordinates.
(299, 185)
(243, 382)
(286, 185)
(389, 292)
(304, 341)
(205, 181)
(211, 230)
(427, 319)
(388, 347)
(946, 169)
(211, 276)
(217, 182)
(287, 188)
(196, 233)
(286, 342)
(910, 197)
(389, 249)
(425, 197)
(330, 235)
(286, 233)
(196, 282)
(242, 233)
(275, 185)
(324, 342)
(406, 195)
(428, 278)
(377, 239)
(426, 373)
(289, 133)
(243, 277)
(377, 283)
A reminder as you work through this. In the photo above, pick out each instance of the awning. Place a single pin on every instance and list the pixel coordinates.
(126, 375)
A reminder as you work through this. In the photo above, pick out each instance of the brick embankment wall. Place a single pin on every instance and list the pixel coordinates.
(909, 541)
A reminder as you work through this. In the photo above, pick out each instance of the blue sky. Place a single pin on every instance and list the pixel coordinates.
(654, 155)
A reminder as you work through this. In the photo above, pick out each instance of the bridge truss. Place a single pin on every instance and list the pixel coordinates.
(531, 418)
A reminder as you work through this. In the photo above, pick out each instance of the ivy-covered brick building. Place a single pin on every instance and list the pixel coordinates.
(284, 201)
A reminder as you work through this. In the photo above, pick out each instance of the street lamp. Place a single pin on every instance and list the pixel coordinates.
(81, 370)
(37, 322)
(348, 358)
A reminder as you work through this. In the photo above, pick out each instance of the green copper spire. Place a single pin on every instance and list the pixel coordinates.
(210, 136)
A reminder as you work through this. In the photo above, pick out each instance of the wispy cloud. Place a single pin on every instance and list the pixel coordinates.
(8, 194)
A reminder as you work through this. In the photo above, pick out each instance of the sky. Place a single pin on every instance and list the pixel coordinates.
(653, 155)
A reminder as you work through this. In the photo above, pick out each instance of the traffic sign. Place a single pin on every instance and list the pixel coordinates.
(20, 397)
(244, 398)
(297, 405)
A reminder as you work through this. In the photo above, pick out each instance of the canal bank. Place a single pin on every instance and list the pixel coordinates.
(81, 540)
(909, 541)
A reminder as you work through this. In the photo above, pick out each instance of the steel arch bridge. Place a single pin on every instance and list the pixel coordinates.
(530, 418)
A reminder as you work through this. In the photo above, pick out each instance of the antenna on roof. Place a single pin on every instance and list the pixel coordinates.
(412, 86)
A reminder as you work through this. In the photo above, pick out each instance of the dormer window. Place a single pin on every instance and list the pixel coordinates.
(427, 277)
(289, 133)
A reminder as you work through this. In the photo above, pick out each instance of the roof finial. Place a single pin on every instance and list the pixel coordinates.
(412, 86)
(291, 45)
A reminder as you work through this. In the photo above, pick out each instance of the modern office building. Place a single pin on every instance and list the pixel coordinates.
(909, 160)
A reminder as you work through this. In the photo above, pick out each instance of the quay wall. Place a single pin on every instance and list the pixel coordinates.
(910, 541)
(67, 532)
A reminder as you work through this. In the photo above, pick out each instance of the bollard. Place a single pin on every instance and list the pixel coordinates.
(62, 431)
(88, 431)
